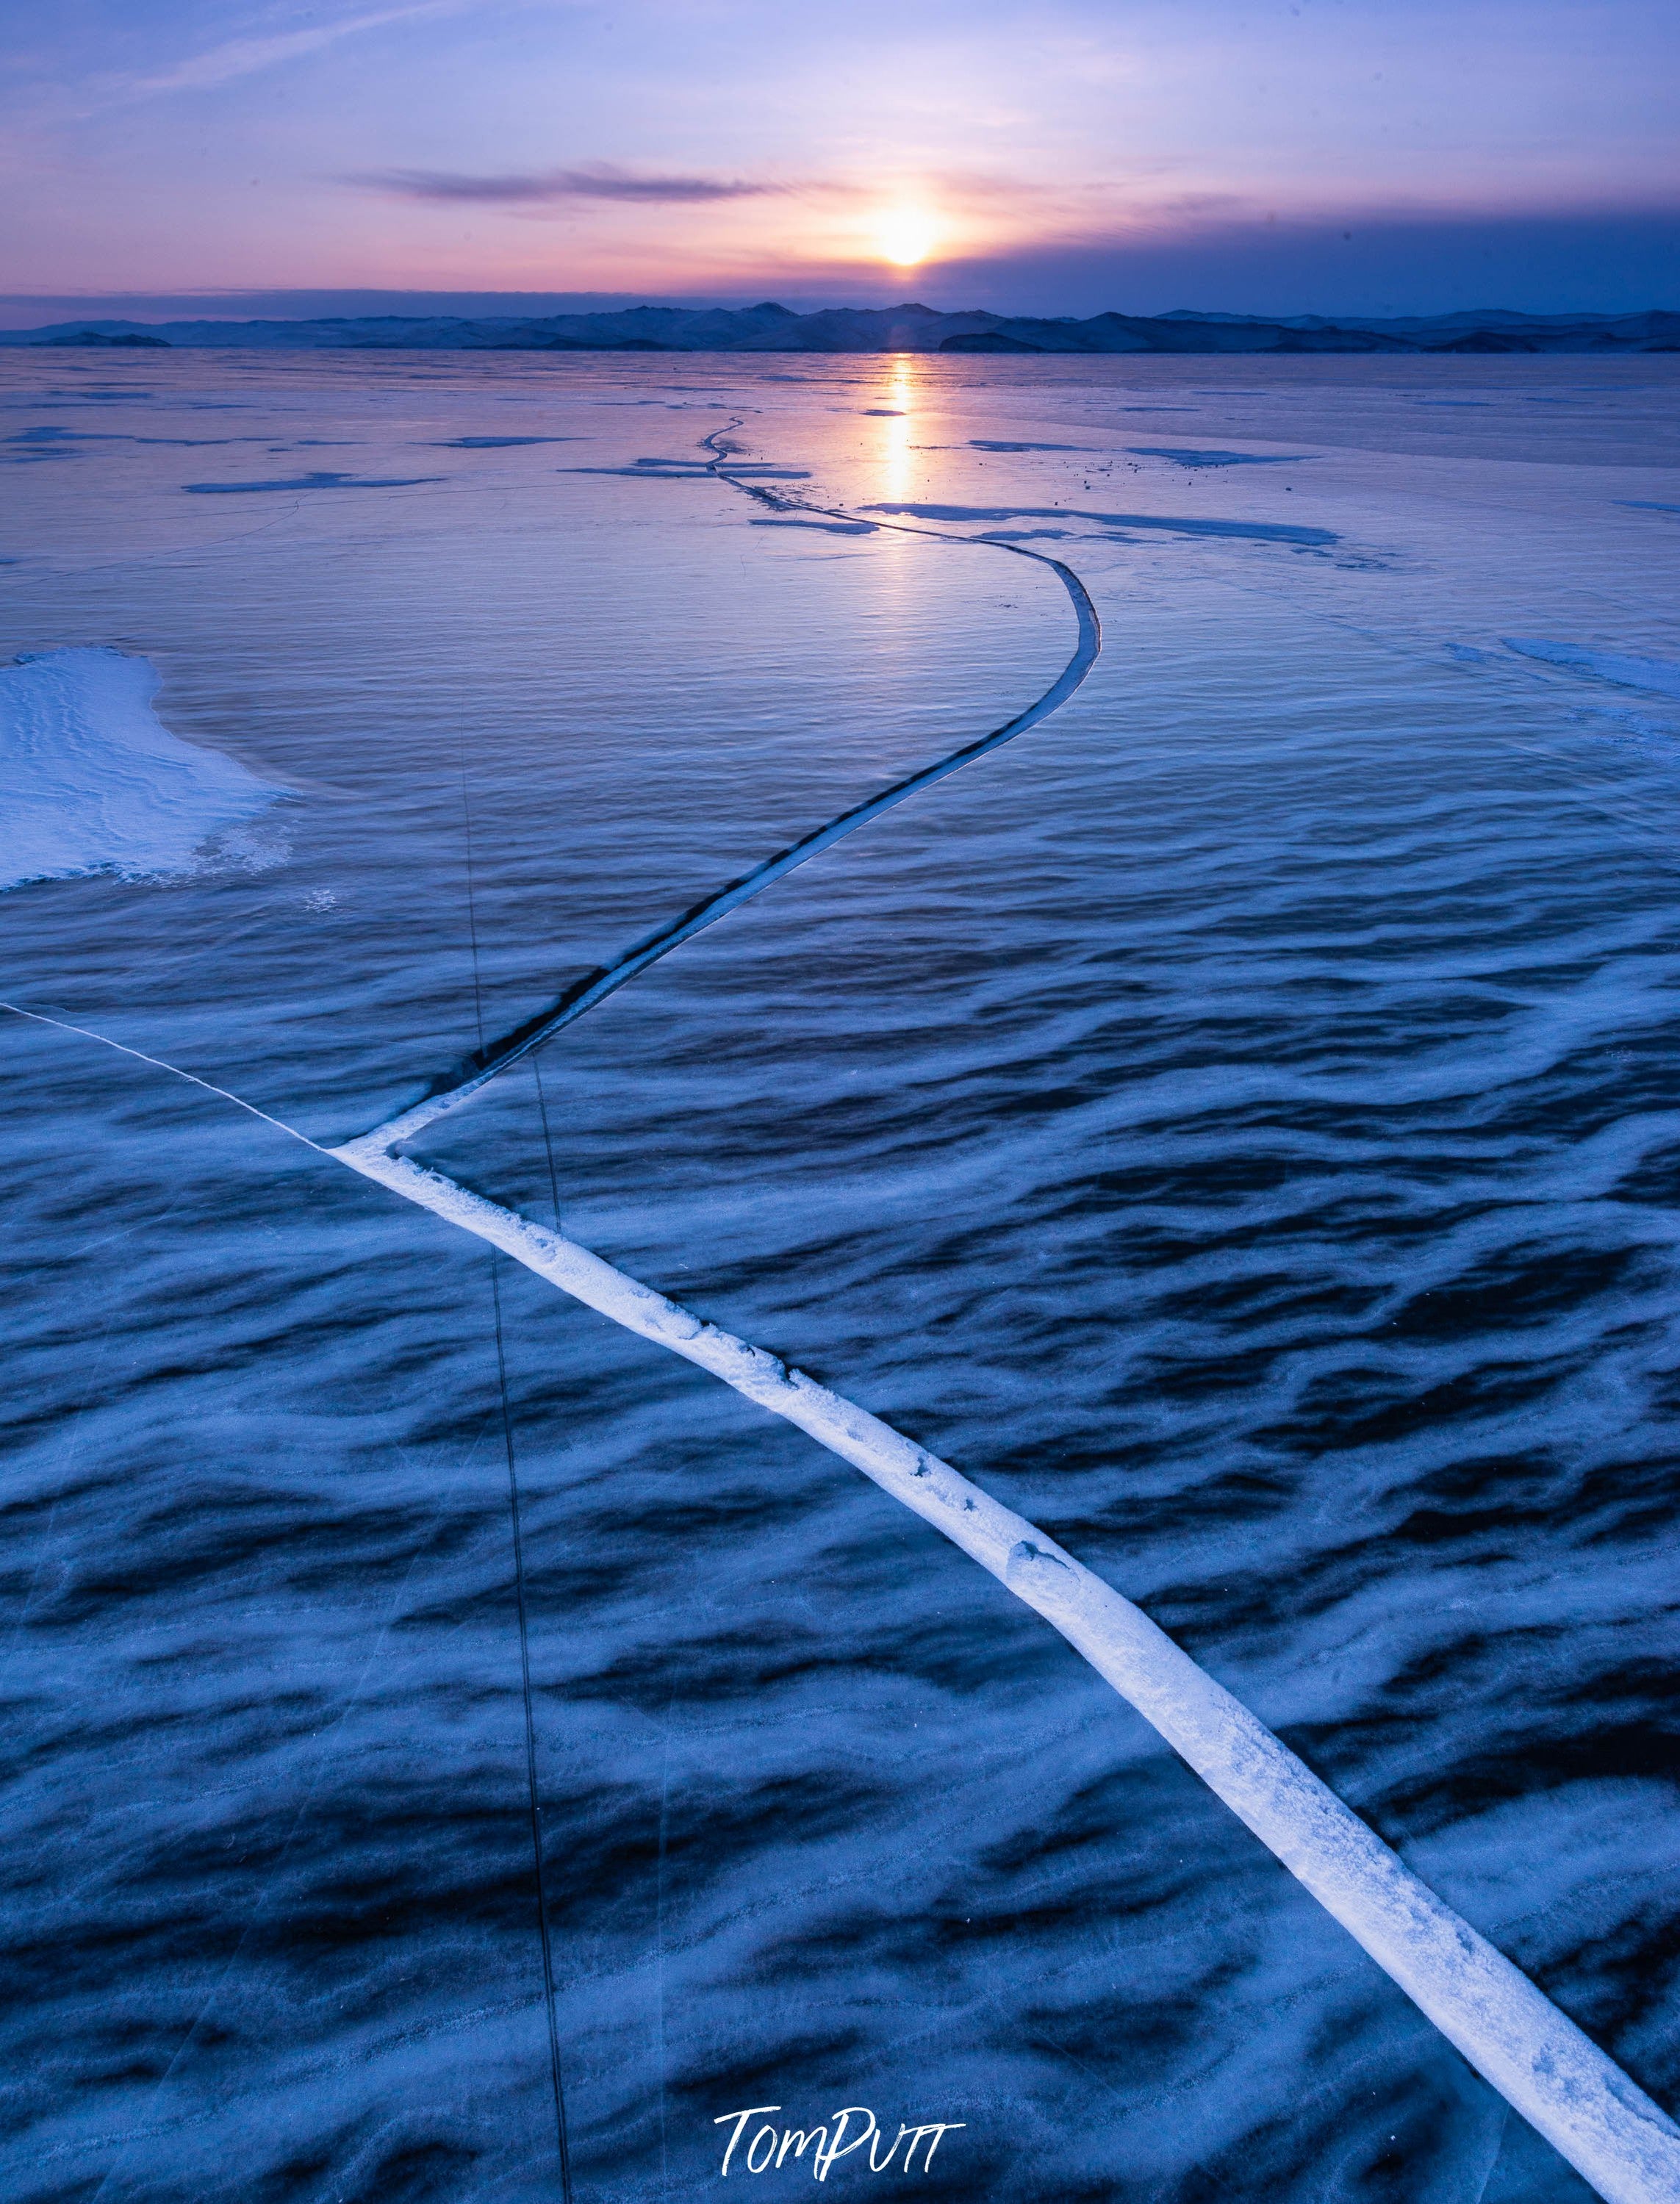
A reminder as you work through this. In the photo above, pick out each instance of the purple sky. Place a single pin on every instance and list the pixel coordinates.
(1287, 156)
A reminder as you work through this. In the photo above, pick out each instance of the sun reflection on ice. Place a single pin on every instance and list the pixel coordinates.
(901, 396)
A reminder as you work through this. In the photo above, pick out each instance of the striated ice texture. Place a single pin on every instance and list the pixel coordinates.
(94, 782)
(1651, 674)
(1233, 1124)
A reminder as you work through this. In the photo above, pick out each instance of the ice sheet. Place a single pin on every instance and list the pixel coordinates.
(1235, 1124)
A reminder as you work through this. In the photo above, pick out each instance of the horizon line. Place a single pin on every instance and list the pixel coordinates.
(602, 305)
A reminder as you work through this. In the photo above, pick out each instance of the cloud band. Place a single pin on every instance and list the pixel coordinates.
(597, 180)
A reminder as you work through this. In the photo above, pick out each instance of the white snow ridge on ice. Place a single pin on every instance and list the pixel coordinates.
(1655, 674)
(94, 780)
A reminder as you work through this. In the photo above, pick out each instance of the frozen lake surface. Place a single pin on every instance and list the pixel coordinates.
(1235, 1123)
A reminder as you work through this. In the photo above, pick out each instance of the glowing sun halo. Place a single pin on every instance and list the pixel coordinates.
(906, 238)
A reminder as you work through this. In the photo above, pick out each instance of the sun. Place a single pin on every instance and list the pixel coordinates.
(906, 237)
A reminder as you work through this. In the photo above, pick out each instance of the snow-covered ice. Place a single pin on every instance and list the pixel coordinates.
(94, 781)
(1656, 676)
(1231, 1123)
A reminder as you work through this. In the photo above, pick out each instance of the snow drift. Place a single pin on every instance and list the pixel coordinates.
(95, 782)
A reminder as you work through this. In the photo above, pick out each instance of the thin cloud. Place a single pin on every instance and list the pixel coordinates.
(598, 181)
(237, 58)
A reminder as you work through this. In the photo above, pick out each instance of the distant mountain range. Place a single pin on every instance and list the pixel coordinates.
(885, 329)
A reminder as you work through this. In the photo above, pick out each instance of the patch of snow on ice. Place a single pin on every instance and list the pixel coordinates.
(317, 481)
(1182, 456)
(94, 782)
(1655, 674)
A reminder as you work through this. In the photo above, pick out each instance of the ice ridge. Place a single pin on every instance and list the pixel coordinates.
(1515, 2037)
(1657, 676)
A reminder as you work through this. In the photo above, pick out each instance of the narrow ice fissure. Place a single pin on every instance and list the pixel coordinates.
(487, 1062)
(1537, 2059)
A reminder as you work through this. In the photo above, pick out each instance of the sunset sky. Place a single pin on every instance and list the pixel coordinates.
(1289, 155)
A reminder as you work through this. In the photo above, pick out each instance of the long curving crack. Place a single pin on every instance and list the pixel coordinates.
(486, 1063)
(1533, 2054)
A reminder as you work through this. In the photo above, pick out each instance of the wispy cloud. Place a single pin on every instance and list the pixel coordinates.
(597, 179)
(237, 58)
